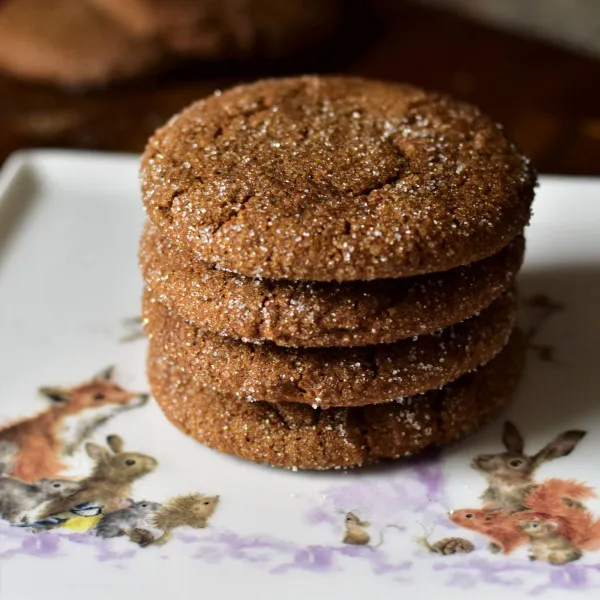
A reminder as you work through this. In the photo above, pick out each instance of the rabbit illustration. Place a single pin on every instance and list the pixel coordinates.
(25, 502)
(135, 515)
(555, 500)
(355, 533)
(548, 544)
(510, 474)
(111, 479)
(40, 443)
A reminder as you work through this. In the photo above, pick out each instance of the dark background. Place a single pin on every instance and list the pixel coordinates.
(546, 96)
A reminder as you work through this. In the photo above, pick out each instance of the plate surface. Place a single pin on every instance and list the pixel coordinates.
(69, 298)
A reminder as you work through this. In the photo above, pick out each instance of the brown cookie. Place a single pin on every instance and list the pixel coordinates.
(332, 178)
(299, 437)
(69, 42)
(331, 376)
(211, 29)
(317, 314)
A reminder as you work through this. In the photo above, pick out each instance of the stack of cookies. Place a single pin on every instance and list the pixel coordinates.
(330, 267)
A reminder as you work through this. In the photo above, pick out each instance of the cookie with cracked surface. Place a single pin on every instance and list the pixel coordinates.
(299, 437)
(214, 29)
(320, 314)
(335, 179)
(69, 42)
(331, 376)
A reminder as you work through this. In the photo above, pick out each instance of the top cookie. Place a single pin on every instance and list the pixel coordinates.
(332, 178)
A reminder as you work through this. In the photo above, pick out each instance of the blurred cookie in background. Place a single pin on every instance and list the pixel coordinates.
(71, 43)
(89, 43)
(224, 29)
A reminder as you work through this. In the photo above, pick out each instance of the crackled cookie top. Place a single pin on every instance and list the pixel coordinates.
(331, 178)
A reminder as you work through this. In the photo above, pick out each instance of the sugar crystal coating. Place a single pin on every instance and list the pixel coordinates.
(315, 314)
(297, 436)
(332, 178)
(336, 376)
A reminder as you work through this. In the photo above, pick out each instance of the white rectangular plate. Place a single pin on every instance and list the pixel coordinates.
(69, 283)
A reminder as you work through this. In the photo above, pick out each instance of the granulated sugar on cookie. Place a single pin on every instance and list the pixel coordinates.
(330, 266)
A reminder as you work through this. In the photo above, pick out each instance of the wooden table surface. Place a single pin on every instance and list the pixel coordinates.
(547, 97)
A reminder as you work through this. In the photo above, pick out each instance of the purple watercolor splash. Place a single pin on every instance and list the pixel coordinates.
(414, 490)
(53, 544)
(42, 545)
(535, 578)
(323, 559)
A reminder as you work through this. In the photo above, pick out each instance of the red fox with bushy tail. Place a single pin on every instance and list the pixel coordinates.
(35, 447)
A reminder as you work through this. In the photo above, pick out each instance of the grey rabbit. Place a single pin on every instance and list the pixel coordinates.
(25, 502)
(135, 516)
(510, 474)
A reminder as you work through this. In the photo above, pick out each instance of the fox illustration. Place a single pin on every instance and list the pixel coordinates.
(39, 444)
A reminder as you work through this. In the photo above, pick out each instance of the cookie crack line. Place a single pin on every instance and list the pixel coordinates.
(389, 181)
(282, 419)
(330, 191)
(240, 206)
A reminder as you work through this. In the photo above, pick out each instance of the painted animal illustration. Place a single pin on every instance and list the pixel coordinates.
(500, 527)
(510, 474)
(560, 501)
(192, 510)
(355, 533)
(8, 455)
(42, 442)
(135, 515)
(80, 518)
(111, 479)
(445, 546)
(25, 502)
(547, 544)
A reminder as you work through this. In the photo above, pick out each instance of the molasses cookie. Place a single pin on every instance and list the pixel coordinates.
(331, 376)
(335, 179)
(302, 313)
(299, 437)
(69, 42)
(216, 29)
